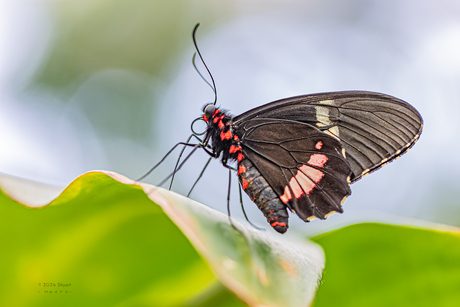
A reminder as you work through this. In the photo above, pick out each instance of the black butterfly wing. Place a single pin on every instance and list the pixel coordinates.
(304, 165)
(373, 128)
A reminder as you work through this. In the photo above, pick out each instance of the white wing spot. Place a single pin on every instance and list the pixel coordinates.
(322, 116)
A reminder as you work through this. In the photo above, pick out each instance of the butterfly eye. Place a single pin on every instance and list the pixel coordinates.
(209, 110)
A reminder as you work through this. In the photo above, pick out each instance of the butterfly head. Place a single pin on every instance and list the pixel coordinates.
(209, 111)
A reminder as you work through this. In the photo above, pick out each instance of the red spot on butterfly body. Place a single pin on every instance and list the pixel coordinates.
(218, 118)
(240, 157)
(205, 118)
(234, 149)
(278, 224)
(226, 135)
(241, 169)
(245, 184)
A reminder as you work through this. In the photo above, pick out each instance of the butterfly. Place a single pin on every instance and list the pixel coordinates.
(301, 154)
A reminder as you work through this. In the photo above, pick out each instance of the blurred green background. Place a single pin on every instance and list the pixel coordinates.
(99, 84)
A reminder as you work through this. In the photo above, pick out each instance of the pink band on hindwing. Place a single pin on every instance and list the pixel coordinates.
(306, 178)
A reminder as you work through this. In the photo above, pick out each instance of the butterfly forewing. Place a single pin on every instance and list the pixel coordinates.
(304, 165)
(372, 128)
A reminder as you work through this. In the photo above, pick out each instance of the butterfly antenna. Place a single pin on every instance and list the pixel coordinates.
(213, 86)
(204, 79)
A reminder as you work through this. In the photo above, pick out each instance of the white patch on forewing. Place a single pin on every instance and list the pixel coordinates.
(322, 116)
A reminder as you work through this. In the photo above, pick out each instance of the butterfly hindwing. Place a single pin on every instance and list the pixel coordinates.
(304, 165)
(372, 128)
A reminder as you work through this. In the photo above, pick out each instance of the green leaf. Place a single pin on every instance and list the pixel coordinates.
(386, 265)
(115, 247)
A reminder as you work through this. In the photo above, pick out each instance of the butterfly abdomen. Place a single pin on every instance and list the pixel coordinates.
(260, 192)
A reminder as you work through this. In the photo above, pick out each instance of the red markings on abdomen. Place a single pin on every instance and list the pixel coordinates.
(241, 169)
(278, 224)
(260, 191)
(244, 183)
(234, 149)
(226, 135)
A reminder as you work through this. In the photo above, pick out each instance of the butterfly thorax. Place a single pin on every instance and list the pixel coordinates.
(223, 138)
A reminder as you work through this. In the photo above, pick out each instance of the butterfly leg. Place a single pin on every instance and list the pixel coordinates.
(241, 199)
(199, 177)
(228, 198)
(196, 146)
(180, 156)
(165, 156)
(244, 211)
